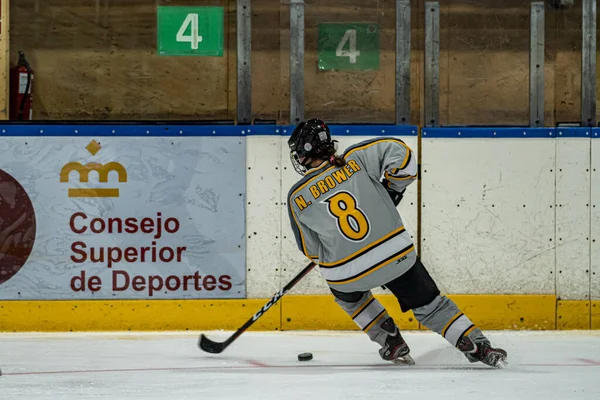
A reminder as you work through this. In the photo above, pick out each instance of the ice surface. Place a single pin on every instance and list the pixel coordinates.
(169, 366)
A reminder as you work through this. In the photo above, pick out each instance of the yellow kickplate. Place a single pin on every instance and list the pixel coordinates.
(311, 312)
(595, 314)
(510, 312)
(135, 315)
(573, 314)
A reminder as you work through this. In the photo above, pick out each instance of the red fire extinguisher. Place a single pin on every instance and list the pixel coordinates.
(21, 83)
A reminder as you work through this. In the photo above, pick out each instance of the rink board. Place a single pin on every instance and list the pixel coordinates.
(595, 218)
(543, 274)
(573, 214)
(487, 210)
(293, 312)
(263, 215)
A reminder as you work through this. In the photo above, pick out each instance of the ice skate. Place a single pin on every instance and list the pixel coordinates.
(483, 352)
(396, 350)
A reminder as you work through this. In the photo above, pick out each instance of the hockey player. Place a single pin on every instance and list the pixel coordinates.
(343, 214)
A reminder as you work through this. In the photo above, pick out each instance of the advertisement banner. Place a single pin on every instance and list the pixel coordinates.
(122, 218)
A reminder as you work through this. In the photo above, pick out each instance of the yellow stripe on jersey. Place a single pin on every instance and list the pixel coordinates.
(369, 300)
(375, 320)
(399, 178)
(345, 156)
(373, 269)
(310, 171)
(363, 250)
(471, 329)
(406, 157)
(452, 320)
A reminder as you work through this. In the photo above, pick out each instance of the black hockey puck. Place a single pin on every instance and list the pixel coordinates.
(305, 356)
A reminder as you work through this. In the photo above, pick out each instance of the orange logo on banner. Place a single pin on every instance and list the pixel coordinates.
(84, 171)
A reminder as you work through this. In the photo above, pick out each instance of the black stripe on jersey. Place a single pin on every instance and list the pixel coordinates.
(407, 248)
(361, 253)
(365, 307)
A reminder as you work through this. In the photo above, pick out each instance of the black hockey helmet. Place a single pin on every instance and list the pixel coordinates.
(310, 140)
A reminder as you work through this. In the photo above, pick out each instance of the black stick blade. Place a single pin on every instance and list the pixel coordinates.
(209, 346)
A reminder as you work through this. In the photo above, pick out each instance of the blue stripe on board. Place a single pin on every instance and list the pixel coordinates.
(135, 130)
(7, 129)
(192, 130)
(490, 133)
(362, 130)
(573, 132)
(595, 133)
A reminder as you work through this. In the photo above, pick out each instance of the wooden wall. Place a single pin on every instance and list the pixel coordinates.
(96, 60)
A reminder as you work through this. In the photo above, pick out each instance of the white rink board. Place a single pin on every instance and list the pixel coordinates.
(291, 257)
(292, 260)
(263, 220)
(595, 220)
(488, 214)
(572, 218)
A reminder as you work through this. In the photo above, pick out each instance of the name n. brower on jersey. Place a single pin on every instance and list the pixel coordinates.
(330, 181)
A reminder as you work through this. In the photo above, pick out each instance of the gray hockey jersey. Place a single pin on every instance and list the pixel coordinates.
(344, 219)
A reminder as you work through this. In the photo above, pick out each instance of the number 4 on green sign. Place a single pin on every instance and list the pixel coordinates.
(190, 31)
(348, 46)
(194, 38)
(352, 53)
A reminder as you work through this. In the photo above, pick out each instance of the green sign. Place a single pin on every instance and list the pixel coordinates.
(348, 46)
(189, 31)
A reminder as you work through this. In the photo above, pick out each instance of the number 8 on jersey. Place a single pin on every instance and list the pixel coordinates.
(351, 221)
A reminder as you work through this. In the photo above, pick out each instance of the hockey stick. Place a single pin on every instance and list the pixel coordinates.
(217, 347)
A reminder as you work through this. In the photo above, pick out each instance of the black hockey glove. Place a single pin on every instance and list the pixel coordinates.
(394, 195)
